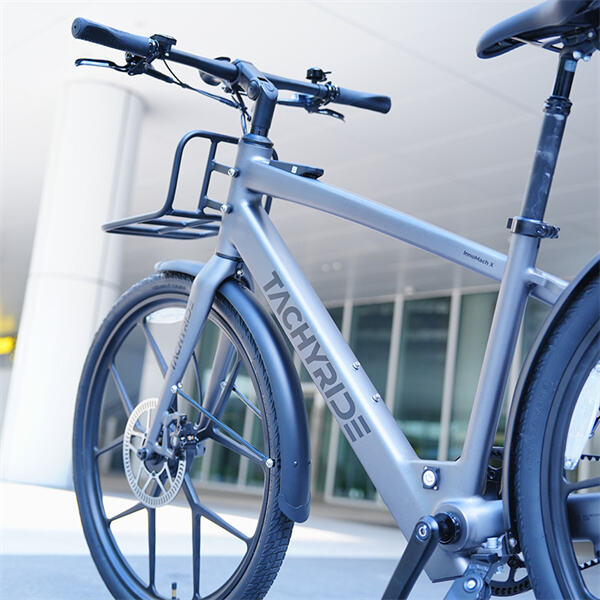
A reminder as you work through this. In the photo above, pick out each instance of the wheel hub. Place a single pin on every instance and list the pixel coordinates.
(153, 479)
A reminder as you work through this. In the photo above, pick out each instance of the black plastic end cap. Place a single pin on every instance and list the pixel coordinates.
(78, 26)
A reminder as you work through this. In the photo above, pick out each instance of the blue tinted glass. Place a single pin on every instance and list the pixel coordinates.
(370, 341)
(420, 374)
(476, 312)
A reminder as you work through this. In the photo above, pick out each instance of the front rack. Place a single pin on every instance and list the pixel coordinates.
(169, 222)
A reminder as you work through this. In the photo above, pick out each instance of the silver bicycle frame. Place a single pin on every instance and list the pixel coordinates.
(247, 234)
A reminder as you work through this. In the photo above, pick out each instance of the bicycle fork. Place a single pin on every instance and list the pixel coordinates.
(204, 288)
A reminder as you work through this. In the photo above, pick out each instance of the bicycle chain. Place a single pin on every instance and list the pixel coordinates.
(592, 457)
(510, 587)
(588, 564)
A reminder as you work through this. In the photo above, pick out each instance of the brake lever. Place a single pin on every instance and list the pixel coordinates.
(311, 105)
(94, 62)
(327, 112)
(134, 66)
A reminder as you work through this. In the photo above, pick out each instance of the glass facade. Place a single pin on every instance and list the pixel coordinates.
(476, 312)
(370, 339)
(535, 313)
(420, 372)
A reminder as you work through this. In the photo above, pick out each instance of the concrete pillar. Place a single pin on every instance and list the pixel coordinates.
(73, 277)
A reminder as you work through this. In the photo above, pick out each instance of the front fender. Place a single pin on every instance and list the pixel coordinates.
(561, 305)
(294, 495)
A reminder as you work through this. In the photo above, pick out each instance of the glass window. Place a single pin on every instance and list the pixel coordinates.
(224, 463)
(351, 480)
(535, 313)
(420, 374)
(337, 314)
(476, 312)
(320, 461)
(370, 339)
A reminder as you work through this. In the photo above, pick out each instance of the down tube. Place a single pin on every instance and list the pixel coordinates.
(362, 415)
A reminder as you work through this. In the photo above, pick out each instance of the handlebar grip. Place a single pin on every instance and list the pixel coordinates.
(374, 102)
(83, 29)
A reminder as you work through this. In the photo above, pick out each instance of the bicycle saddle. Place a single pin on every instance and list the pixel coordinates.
(550, 18)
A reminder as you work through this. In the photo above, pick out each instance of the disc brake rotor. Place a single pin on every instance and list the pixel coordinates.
(154, 482)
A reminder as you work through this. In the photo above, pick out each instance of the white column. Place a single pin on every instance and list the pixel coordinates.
(73, 277)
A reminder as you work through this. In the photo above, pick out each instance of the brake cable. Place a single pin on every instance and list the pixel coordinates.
(137, 65)
(186, 86)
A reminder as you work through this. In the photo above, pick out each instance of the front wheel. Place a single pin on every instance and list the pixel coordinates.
(151, 524)
(556, 456)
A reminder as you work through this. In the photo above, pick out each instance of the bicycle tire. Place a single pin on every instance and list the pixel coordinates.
(254, 574)
(541, 487)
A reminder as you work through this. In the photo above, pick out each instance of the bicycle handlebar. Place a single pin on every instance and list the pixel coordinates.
(345, 96)
(226, 71)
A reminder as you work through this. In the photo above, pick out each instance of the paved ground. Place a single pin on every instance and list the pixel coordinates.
(43, 555)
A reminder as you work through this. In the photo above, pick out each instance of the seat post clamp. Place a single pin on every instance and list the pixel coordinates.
(532, 227)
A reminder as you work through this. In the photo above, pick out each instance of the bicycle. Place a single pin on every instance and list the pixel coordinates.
(230, 368)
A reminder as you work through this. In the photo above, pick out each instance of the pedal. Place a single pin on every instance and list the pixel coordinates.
(428, 532)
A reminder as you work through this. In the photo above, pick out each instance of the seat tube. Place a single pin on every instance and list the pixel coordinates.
(515, 287)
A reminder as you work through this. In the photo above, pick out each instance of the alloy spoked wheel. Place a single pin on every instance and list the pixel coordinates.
(160, 526)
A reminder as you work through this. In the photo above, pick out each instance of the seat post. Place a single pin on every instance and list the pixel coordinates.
(556, 111)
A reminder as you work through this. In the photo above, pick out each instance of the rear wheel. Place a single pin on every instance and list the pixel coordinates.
(556, 461)
(148, 522)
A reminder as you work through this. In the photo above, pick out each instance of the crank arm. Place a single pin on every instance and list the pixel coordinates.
(422, 543)
(429, 531)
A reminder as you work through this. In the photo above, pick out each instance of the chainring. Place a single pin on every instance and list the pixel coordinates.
(154, 483)
(511, 586)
